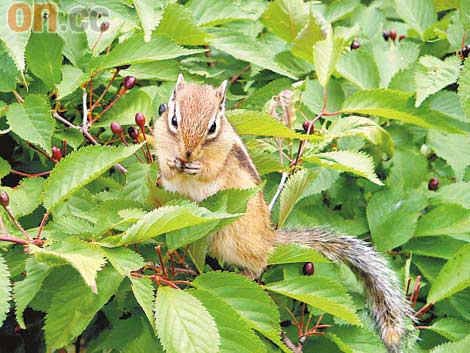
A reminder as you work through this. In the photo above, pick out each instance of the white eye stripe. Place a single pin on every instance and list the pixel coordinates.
(216, 119)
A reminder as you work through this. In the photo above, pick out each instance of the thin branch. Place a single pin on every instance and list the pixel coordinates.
(290, 344)
(14, 240)
(284, 177)
(236, 77)
(3, 228)
(41, 226)
(85, 109)
(16, 223)
(19, 99)
(16, 172)
(116, 73)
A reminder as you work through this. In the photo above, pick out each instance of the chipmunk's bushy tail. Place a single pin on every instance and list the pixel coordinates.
(388, 304)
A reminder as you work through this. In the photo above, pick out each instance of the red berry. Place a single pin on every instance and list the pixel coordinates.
(306, 125)
(140, 120)
(386, 34)
(393, 34)
(116, 128)
(308, 269)
(104, 26)
(466, 51)
(130, 82)
(4, 199)
(355, 45)
(433, 184)
(402, 36)
(133, 133)
(56, 153)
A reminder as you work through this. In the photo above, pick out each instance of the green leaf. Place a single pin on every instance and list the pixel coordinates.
(339, 10)
(63, 324)
(292, 192)
(326, 54)
(392, 216)
(5, 289)
(364, 127)
(358, 163)
(184, 324)
(246, 297)
(455, 347)
(235, 335)
(25, 290)
(314, 31)
(355, 340)
(150, 14)
(358, 67)
(464, 88)
(8, 70)
(86, 258)
(419, 14)
(258, 98)
(319, 292)
(44, 57)
(433, 75)
(69, 174)
(5, 168)
(140, 181)
(294, 253)
(198, 251)
(457, 193)
(144, 293)
(450, 328)
(179, 24)
(32, 121)
(72, 80)
(444, 220)
(453, 149)
(398, 105)
(135, 51)
(285, 18)
(26, 197)
(453, 277)
(261, 124)
(124, 260)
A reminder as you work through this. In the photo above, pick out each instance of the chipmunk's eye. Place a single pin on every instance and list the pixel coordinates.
(174, 121)
(213, 128)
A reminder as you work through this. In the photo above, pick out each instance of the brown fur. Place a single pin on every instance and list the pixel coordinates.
(248, 242)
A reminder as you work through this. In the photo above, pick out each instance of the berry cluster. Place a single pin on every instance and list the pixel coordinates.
(392, 34)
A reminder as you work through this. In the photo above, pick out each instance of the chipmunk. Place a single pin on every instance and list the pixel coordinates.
(200, 153)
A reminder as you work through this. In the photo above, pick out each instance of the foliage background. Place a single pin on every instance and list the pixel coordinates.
(401, 117)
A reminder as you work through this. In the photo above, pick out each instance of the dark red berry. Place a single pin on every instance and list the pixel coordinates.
(140, 119)
(386, 34)
(308, 269)
(133, 133)
(433, 184)
(402, 36)
(116, 128)
(104, 26)
(4, 198)
(56, 153)
(466, 51)
(130, 82)
(393, 34)
(162, 109)
(355, 45)
(286, 323)
(306, 125)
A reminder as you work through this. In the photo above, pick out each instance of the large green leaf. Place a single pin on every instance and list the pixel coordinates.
(355, 340)
(32, 121)
(124, 260)
(86, 258)
(294, 253)
(454, 347)
(150, 14)
(326, 54)
(450, 328)
(26, 197)
(444, 220)
(453, 277)
(8, 71)
(184, 324)
(464, 88)
(44, 57)
(339, 10)
(358, 67)
(79, 168)
(433, 75)
(26, 290)
(398, 105)
(74, 306)
(319, 292)
(286, 18)
(457, 193)
(72, 79)
(5, 290)
(314, 31)
(419, 14)
(144, 293)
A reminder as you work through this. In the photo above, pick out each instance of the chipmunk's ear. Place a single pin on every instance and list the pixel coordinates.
(179, 85)
(221, 94)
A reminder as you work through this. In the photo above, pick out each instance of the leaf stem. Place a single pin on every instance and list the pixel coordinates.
(16, 222)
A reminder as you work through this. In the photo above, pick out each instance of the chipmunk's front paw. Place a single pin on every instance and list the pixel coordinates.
(192, 168)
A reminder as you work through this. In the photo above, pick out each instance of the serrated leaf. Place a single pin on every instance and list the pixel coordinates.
(150, 14)
(144, 293)
(235, 335)
(5, 290)
(124, 260)
(358, 163)
(450, 328)
(339, 10)
(25, 290)
(292, 192)
(261, 124)
(314, 31)
(319, 292)
(8, 71)
(72, 79)
(419, 14)
(398, 105)
(456, 193)
(444, 220)
(455, 347)
(5, 168)
(62, 323)
(364, 127)
(86, 258)
(285, 18)
(140, 180)
(358, 67)
(326, 54)
(258, 98)
(453, 277)
(26, 197)
(355, 340)
(294, 253)
(179, 24)
(44, 57)
(464, 88)
(453, 149)
(246, 297)
(32, 121)
(70, 173)
(433, 74)
(183, 324)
